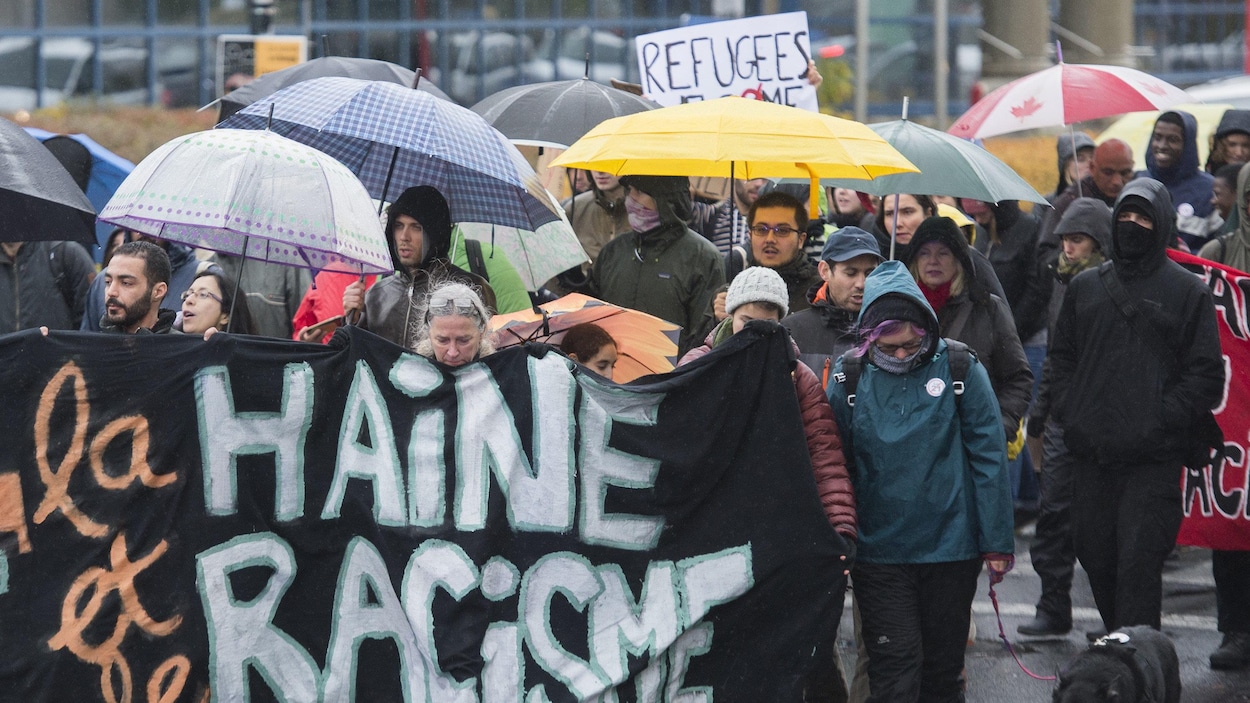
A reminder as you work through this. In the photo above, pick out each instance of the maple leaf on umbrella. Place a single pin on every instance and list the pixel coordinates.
(1026, 108)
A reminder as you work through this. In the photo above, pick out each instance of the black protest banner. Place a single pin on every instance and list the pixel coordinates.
(254, 519)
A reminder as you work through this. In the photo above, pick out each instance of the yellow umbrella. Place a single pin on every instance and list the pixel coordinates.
(735, 137)
(1135, 129)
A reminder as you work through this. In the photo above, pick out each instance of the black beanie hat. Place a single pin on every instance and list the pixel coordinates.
(945, 231)
(427, 206)
(894, 306)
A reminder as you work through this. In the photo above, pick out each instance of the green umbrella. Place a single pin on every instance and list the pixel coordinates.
(948, 166)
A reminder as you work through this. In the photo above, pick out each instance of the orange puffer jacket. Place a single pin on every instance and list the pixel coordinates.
(824, 444)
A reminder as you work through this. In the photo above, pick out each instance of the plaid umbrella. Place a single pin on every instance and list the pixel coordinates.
(394, 137)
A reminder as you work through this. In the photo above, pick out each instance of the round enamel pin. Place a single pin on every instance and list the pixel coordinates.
(935, 386)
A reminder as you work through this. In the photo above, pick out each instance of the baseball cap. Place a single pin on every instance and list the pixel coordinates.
(848, 243)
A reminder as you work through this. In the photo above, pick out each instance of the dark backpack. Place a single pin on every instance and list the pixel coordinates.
(477, 264)
(961, 356)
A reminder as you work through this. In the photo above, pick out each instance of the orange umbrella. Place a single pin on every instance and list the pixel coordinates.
(645, 344)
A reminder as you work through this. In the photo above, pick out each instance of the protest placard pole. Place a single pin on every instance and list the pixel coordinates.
(861, 60)
(941, 67)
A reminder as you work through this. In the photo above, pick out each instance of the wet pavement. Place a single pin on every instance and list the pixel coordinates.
(994, 677)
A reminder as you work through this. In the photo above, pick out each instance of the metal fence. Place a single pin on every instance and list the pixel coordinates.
(139, 51)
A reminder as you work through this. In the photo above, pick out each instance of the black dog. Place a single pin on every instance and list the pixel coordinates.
(1130, 665)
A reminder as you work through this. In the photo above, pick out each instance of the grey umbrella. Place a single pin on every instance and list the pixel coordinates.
(343, 66)
(557, 113)
(39, 200)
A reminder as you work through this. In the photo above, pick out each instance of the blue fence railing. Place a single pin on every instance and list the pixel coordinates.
(160, 62)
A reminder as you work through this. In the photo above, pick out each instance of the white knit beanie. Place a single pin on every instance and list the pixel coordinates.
(757, 284)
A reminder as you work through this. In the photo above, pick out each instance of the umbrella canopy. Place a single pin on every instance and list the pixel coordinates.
(1064, 94)
(948, 166)
(735, 137)
(537, 255)
(343, 66)
(393, 138)
(645, 344)
(254, 194)
(39, 200)
(1135, 129)
(557, 113)
(108, 170)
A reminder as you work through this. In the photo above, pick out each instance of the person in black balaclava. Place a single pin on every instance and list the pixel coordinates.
(418, 232)
(1132, 395)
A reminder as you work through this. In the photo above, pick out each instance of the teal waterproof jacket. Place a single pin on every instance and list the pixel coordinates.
(930, 473)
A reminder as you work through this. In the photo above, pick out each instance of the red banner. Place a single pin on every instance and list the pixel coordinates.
(1217, 512)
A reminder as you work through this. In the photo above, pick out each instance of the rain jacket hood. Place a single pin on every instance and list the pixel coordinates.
(671, 194)
(1187, 183)
(1088, 216)
(1233, 121)
(892, 280)
(944, 231)
(1152, 197)
(1238, 255)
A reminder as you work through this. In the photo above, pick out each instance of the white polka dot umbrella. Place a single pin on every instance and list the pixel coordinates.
(255, 194)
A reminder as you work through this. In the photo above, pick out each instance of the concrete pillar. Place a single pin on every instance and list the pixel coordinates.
(1107, 23)
(1025, 25)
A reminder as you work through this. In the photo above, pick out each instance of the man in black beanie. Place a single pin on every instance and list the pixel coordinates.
(418, 232)
(661, 267)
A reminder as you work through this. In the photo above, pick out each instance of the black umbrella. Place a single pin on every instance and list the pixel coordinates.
(39, 199)
(341, 66)
(557, 113)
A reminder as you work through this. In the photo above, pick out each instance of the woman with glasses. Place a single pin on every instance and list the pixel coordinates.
(456, 321)
(207, 304)
(928, 462)
(969, 311)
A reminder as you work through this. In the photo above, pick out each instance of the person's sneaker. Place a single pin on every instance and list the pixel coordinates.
(1045, 625)
(1233, 653)
(1096, 633)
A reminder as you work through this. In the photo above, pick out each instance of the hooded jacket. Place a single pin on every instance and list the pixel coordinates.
(1234, 249)
(1067, 147)
(823, 443)
(930, 473)
(1048, 244)
(668, 271)
(823, 332)
(1231, 122)
(392, 304)
(902, 252)
(1189, 186)
(1120, 400)
(1014, 257)
(982, 320)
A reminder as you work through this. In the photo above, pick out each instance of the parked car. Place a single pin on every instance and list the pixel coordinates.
(69, 73)
(562, 56)
(482, 64)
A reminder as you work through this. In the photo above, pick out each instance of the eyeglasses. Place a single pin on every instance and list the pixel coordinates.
(440, 306)
(782, 231)
(201, 294)
(892, 349)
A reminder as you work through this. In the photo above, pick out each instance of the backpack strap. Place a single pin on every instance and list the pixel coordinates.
(477, 264)
(56, 262)
(735, 262)
(960, 359)
(849, 375)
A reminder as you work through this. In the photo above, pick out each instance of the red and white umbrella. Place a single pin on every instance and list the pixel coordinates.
(1065, 94)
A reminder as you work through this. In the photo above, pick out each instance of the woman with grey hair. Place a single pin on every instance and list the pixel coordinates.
(456, 322)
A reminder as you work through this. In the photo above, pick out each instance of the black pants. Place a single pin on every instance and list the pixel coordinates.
(915, 627)
(1124, 525)
(1232, 589)
(1054, 557)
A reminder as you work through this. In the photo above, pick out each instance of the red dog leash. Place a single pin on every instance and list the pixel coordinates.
(996, 577)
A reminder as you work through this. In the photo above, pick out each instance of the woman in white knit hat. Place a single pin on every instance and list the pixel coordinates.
(759, 293)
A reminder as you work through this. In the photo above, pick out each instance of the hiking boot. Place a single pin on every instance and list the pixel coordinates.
(1096, 633)
(1234, 651)
(1045, 625)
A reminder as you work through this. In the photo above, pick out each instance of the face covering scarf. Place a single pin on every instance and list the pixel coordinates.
(641, 219)
(1133, 241)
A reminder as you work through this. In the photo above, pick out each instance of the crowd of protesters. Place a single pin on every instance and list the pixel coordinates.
(932, 336)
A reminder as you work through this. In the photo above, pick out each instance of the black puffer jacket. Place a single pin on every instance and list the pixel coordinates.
(1118, 398)
(823, 332)
(982, 320)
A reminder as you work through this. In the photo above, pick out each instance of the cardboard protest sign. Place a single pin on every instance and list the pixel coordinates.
(251, 519)
(761, 57)
(1217, 498)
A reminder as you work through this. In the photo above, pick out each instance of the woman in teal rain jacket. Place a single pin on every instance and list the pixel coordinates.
(930, 476)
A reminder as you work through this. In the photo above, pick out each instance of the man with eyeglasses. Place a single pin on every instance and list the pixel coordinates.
(778, 226)
(135, 283)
